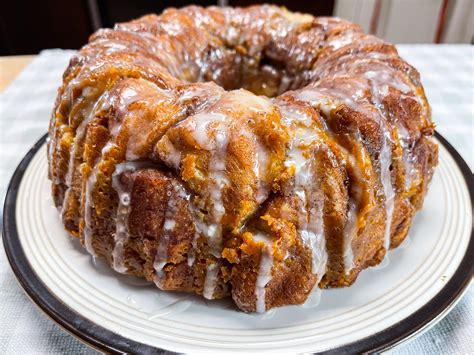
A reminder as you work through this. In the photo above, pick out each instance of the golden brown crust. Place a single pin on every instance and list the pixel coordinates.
(166, 175)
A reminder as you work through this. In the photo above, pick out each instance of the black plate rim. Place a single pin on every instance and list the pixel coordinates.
(105, 340)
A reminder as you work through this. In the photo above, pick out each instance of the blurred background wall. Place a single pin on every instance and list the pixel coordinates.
(26, 27)
(412, 21)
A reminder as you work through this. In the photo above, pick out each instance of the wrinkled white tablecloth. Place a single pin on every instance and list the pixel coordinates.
(447, 73)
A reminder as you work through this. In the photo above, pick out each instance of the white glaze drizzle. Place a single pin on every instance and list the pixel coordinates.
(92, 179)
(378, 80)
(260, 105)
(377, 85)
(219, 124)
(123, 211)
(121, 102)
(191, 92)
(80, 133)
(210, 281)
(303, 144)
(65, 96)
(264, 274)
(169, 224)
(380, 77)
(192, 251)
(260, 165)
(350, 231)
(218, 181)
(342, 40)
(210, 130)
(408, 157)
(386, 179)
(88, 205)
(260, 168)
(139, 91)
(171, 156)
(217, 172)
(326, 104)
(138, 134)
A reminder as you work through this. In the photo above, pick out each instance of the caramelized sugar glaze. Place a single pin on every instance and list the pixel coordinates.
(167, 163)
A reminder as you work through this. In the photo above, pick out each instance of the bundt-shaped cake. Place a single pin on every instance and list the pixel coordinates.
(245, 152)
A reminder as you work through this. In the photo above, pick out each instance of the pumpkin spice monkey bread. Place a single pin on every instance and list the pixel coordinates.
(245, 152)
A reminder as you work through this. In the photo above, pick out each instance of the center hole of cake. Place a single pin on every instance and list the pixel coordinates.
(261, 74)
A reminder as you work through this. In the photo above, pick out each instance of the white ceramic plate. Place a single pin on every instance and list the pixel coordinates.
(410, 290)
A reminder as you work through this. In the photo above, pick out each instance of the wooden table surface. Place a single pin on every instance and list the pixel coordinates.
(10, 67)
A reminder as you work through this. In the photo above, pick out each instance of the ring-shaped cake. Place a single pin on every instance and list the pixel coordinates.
(245, 152)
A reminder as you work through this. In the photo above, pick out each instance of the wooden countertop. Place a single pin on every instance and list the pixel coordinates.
(10, 67)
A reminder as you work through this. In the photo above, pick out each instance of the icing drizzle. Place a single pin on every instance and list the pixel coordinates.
(123, 211)
(305, 142)
(210, 281)
(169, 224)
(264, 274)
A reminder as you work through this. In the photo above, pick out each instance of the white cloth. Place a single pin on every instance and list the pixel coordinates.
(447, 72)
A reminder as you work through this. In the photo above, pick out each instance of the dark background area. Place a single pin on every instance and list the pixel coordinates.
(26, 27)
